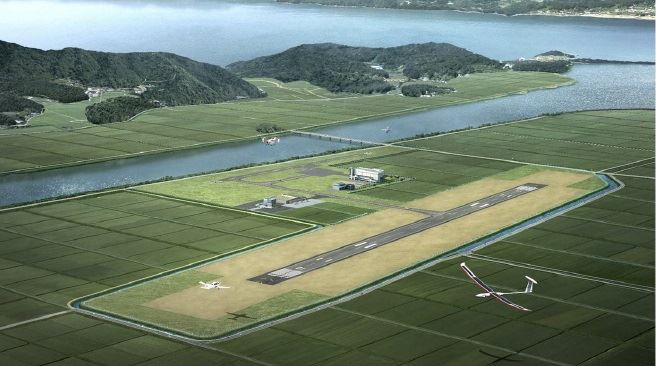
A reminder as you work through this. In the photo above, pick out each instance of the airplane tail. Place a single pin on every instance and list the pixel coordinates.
(529, 285)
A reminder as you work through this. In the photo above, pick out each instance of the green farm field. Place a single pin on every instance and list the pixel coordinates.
(61, 136)
(52, 253)
(592, 140)
(594, 303)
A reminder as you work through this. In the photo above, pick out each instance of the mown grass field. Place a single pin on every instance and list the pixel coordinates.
(428, 318)
(427, 173)
(290, 106)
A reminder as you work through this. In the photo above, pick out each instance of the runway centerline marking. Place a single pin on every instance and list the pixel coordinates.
(321, 260)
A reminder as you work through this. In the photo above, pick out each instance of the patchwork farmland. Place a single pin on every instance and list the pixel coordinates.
(61, 136)
(593, 305)
(53, 253)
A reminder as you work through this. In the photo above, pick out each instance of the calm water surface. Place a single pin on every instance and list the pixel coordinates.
(221, 32)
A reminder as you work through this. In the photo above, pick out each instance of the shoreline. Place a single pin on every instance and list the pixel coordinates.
(598, 15)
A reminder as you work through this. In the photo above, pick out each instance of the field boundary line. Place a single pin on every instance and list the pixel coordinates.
(609, 223)
(34, 297)
(446, 335)
(621, 165)
(580, 254)
(43, 317)
(571, 141)
(632, 176)
(554, 299)
(632, 198)
(68, 244)
(562, 273)
(395, 144)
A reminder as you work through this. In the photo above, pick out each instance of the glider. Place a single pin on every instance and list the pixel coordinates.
(489, 291)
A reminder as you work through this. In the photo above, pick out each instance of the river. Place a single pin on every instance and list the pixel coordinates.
(623, 86)
(221, 32)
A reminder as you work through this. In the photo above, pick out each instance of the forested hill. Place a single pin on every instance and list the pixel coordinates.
(170, 78)
(342, 68)
(506, 7)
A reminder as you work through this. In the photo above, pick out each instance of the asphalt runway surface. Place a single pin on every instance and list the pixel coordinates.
(435, 219)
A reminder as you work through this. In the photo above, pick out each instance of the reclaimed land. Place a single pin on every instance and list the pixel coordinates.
(61, 136)
(176, 303)
(429, 317)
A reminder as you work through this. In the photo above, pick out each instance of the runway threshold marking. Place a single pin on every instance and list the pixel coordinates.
(376, 241)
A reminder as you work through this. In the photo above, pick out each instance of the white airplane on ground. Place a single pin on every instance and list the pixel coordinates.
(386, 129)
(272, 141)
(489, 291)
(211, 285)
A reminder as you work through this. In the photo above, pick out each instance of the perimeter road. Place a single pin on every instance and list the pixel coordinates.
(433, 220)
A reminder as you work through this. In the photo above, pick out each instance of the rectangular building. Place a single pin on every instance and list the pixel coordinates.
(367, 174)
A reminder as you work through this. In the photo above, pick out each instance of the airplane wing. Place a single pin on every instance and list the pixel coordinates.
(489, 289)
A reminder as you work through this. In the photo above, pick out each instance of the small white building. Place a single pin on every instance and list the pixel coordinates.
(367, 174)
(269, 202)
(376, 67)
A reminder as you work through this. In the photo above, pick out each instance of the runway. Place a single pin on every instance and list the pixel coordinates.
(434, 219)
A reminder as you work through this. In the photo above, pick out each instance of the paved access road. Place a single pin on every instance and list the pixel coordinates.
(370, 243)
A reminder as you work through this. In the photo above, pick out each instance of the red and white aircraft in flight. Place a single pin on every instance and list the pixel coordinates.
(489, 291)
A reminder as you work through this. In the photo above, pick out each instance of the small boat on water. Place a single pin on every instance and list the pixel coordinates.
(270, 141)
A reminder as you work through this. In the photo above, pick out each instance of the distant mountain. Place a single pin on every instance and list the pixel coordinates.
(506, 7)
(169, 78)
(341, 68)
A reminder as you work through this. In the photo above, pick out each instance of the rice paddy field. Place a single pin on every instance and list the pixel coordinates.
(61, 136)
(593, 305)
(52, 253)
(592, 140)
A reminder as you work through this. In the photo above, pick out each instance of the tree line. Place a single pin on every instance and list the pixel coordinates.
(417, 90)
(117, 109)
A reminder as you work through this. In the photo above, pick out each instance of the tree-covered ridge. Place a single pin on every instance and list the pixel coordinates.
(507, 7)
(116, 109)
(7, 121)
(13, 103)
(169, 78)
(341, 68)
(555, 66)
(42, 88)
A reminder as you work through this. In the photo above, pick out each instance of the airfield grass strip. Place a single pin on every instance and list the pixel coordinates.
(79, 303)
